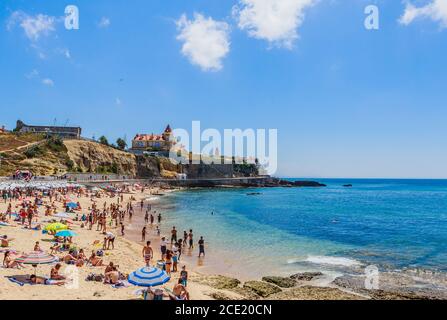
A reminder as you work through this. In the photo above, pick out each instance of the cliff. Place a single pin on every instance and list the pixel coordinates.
(55, 157)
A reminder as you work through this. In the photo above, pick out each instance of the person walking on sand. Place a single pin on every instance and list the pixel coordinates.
(168, 261)
(143, 234)
(152, 219)
(185, 238)
(122, 229)
(146, 217)
(148, 253)
(159, 218)
(173, 235)
(163, 245)
(201, 247)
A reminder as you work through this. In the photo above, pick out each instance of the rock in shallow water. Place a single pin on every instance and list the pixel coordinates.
(305, 276)
(280, 281)
(314, 293)
(261, 288)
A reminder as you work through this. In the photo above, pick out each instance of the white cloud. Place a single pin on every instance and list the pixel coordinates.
(33, 26)
(48, 82)
(436, 10)
(118, 101)
(205, 41)
(276, 21)
(104, 23)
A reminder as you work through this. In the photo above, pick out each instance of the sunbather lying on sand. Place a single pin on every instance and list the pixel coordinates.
(41, 280)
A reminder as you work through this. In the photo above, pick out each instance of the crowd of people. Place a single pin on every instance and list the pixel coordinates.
(23, 205)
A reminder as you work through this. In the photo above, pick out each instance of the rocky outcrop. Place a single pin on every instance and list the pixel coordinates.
(305, 276)
(280, 281)
(393, 286)
(217, 281)
(94, 157)
(314, 293)
(262, 289)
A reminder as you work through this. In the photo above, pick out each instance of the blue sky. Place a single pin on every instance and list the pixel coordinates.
(347, 102)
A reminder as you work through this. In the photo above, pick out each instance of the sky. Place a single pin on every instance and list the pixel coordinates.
(346, 101)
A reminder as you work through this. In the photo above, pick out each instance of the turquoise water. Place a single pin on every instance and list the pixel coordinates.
(394, 224)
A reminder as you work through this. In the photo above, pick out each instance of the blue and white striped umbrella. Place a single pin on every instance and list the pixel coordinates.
(148, 277)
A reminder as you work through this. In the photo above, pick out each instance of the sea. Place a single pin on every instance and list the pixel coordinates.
(394, 225)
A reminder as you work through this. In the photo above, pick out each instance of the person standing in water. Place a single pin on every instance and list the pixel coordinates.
(159, 218)
(201, 247)
(146, 217)
(191, 240)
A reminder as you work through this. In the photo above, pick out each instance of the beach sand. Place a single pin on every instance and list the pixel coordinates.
(128, 256)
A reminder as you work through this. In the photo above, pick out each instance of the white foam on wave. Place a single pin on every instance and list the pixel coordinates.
(338, 261)
(152, 198)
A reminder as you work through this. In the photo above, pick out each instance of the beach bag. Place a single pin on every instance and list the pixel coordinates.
(99, 253)
(99, 278)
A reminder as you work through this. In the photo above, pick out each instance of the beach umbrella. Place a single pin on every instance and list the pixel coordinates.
(62, 215)
(66, 233)
(37, 257)
(148, 277)
(57, 226)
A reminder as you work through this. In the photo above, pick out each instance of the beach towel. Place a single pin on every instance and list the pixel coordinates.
(121, 284)
(16, 281)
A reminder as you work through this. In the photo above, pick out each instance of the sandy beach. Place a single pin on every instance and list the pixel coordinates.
(128, 256)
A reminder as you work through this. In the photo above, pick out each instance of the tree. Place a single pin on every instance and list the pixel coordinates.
(121, 144)
(103, 140)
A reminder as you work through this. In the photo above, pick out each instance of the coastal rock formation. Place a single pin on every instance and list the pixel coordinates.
(280, 281)
(306, 276)
(217, 281)
(314, 293)
(262, 289)
(393, 286)
(90, 156)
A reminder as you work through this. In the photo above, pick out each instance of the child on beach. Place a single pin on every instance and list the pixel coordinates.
(184, 276)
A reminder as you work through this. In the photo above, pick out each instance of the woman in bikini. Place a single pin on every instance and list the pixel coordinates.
(168, 261)
(9, 263)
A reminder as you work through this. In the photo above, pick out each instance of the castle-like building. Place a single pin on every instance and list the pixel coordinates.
(161, 143)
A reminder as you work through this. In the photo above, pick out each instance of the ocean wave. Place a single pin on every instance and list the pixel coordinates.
(337, 261)
(152, 198)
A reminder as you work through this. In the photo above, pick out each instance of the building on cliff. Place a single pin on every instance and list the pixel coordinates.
(63, 132)
(159, 144)
(2, 129)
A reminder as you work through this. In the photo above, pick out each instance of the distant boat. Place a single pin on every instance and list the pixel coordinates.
(253, 194)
